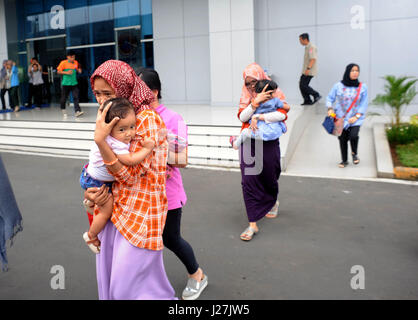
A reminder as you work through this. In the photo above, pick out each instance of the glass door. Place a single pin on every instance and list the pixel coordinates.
(128, 46)
(49, 51)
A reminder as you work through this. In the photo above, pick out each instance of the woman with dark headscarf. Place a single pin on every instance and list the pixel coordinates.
(10, 217)
(130, 263)
(350, 97)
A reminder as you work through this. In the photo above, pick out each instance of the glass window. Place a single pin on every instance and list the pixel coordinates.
(100, 55)
(77, 23)
(148, 53)
(49, 18)
(130, 47)
(146, 28)
(32, 7)
(101, 21)
(89, 59)
(146, 18)
(34, 18)
(127, 13)
(38, 17)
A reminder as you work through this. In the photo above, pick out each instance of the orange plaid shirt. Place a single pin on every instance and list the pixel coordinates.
(140, 202)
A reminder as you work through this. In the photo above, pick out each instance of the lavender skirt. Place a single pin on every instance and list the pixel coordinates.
(126, 272)
(260, 190)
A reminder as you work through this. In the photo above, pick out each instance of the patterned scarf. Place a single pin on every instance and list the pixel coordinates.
(123, 79)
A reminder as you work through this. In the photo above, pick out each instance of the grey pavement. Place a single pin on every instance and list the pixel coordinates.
(325, 227)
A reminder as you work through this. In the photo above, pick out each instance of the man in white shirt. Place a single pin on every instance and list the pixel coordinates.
(309, 70)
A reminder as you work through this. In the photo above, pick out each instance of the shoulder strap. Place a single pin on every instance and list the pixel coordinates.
(355, 100)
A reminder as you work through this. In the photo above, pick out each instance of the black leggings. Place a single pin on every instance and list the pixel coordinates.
(172, 240)
(351, 133)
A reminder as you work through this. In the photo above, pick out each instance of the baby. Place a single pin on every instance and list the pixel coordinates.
(95, 173)
(266, 130)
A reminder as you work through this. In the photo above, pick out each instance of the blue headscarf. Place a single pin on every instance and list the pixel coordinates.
(10, 217)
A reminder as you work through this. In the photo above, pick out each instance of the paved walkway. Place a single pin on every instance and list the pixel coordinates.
(318, 153)
(325, 227)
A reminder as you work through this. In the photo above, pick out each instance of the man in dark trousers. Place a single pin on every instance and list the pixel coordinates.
(309, 70)
(68, 68)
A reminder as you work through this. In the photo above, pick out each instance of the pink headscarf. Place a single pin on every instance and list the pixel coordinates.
(123, 79)
(255, 71)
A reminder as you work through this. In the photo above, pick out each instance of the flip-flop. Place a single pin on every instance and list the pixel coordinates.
(356, 160)
(249, 233)
(89, 242)
(343, 164)
(274, 211)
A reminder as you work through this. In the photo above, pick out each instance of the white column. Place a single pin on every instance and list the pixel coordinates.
(231, 38)
(3, 35)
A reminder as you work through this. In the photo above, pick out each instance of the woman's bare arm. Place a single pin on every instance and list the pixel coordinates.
(178, 160)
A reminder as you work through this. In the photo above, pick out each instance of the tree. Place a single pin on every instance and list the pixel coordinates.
(397, 94)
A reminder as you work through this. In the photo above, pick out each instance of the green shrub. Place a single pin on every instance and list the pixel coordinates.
(408, 154)
(402, 134)
(397, 95)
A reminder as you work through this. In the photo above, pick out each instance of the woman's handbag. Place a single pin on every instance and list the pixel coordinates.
(328, 124)
(338, 125)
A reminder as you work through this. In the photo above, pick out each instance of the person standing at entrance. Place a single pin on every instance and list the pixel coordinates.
(309, 70)
(12, 84)
(35, 77)
(30, 90)
(68, 68)
(3, 89)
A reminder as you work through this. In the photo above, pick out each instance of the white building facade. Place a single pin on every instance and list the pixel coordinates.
(201, 47)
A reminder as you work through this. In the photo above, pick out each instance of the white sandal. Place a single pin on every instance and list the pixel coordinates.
(274, 211)
(248, 234)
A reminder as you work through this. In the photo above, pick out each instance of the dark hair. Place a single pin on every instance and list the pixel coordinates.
(304, 36)
(70, 53)
(151, 79)
(259, 86)
(120, 108)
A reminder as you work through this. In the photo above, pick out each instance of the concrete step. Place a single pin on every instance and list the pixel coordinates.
(208, 145)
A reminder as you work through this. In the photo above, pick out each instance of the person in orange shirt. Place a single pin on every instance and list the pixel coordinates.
(68, 68)
(130, 264)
